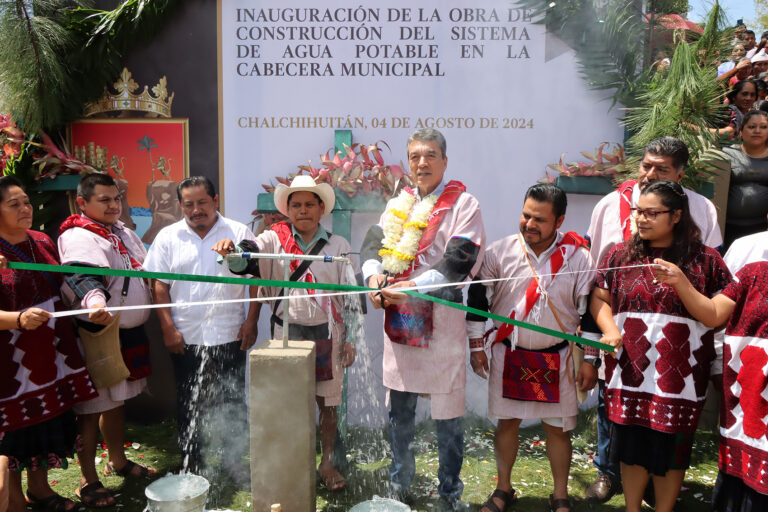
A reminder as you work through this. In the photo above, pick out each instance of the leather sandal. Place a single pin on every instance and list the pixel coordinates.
(94, 493)
(53, 503)
(555, 504)
(508, 498)
(128, 470)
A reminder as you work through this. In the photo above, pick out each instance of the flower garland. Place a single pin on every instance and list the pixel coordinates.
(402, 236)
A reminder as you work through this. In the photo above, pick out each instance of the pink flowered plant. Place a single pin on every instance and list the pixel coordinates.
(601, 163)
(359, 169)
(48, 158)
(11, 139)
(55, 161)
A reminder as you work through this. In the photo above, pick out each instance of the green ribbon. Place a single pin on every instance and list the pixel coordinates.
(170, 276)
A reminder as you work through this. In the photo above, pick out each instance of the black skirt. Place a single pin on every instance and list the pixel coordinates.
(657, 452)
(731, 494)
(45, 445)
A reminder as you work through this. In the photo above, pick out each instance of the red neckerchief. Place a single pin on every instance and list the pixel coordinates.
(290, 246)
(532, 293)
(449, 196)
(79, 221)
(625, 208)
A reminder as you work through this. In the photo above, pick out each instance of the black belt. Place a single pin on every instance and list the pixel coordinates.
(549, 350)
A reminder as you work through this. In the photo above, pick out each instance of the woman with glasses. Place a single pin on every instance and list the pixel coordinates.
(657, 381)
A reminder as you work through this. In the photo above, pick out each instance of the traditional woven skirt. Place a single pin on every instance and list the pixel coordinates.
(45, 445)
(657, 452)
(731, 494)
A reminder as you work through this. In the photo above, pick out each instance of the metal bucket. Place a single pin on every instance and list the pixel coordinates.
(379, 504)
(177, 493)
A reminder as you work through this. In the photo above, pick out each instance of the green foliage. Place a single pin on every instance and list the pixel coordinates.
(761, 10)
(684, 103)
(33, 62)
(612, 61)
(606, 42)
(55, 61)
(669, 6)
(56, 57)
(368, 474)
(715, 42)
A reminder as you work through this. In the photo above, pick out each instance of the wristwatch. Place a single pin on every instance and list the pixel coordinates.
(594, 361)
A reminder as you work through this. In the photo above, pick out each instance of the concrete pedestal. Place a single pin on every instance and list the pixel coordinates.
(282, 424)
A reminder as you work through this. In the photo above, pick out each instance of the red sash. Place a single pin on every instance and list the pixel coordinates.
(453, 189)
(290, 246)
(532, 293)
(625, 207)
(411, 323)
(79, 221)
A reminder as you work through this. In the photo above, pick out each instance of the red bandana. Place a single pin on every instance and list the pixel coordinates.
(290, 246)
(79, 221)
(625, 207)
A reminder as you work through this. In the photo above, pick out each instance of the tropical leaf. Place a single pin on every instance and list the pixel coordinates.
(63, 55)
(684, 103)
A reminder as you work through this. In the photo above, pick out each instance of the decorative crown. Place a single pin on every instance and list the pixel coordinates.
(158, 103)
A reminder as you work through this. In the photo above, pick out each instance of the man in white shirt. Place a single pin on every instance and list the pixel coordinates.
(208, 345)
(611, 224)
(745, 250)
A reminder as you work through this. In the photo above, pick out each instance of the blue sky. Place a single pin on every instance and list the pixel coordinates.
(734, 9)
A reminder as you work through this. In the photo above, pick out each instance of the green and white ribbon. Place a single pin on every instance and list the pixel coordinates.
(335, 289)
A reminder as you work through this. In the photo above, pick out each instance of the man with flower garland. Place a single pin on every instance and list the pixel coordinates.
(431, 235)
(532, 374)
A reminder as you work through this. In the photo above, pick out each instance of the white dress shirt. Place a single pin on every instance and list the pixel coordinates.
(178, 249)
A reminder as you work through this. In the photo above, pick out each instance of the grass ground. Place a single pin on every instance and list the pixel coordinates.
(367, 474)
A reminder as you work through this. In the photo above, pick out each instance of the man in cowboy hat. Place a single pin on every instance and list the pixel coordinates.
(319, 319)
(208, 345)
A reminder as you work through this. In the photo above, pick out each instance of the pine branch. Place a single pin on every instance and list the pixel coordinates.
(23, 13)
(684, 103)
(55, 61)
(606, 49)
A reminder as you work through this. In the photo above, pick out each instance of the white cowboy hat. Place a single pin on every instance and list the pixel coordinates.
(304, 183)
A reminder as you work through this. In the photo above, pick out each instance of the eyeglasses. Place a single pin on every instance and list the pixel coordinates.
(648, 213)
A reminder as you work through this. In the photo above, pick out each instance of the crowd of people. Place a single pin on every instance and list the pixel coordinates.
(745, 130)
(647, 279)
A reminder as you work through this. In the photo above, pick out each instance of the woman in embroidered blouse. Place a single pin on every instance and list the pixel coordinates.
(742, 485)
(656, 383)
(42, 373)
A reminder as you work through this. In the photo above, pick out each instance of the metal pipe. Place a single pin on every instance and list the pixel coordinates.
(286, 274)
(286, 307)
(288, 257)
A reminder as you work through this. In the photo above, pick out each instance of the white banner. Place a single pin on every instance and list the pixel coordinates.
(507, 96)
